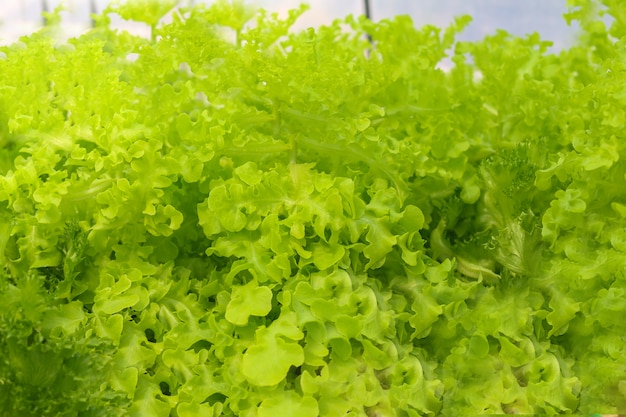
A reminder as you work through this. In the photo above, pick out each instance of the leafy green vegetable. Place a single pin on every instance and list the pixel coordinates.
(234, 219)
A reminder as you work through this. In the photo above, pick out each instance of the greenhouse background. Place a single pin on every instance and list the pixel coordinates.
(20, 17)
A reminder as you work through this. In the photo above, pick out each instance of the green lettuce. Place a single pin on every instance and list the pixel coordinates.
(232, 218)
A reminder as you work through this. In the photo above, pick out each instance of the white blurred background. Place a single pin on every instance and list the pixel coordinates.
(20, 17)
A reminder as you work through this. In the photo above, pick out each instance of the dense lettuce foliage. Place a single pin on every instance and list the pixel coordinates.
(229, 219)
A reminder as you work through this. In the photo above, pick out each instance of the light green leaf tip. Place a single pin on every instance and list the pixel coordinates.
(248, 300)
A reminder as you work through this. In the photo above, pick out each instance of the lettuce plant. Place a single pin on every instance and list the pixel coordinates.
(232, 219)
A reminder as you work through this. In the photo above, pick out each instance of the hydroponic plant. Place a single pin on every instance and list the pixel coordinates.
(232, 219)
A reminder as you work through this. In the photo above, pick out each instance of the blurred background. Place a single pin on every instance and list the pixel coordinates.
(20, 17)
